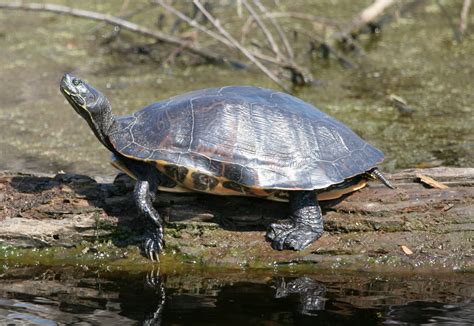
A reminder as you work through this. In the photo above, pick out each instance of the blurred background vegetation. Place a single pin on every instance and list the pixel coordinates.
(398, 72)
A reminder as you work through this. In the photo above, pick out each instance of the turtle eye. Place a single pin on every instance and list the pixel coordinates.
(76, 82)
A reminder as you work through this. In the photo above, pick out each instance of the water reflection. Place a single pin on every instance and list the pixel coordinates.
(44, 296)
(311, 294)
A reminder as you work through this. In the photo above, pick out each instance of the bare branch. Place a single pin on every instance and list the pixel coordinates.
(289, 65)
(364, 17)
(241, 48)
(246, 29)
(193, 23)
(264, 28)
(370, 13)
(464, 13)
(281, 33)
(112, 20)
(123, 16)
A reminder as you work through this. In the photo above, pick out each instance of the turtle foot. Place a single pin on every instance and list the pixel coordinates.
(292, 236)
(153, 244)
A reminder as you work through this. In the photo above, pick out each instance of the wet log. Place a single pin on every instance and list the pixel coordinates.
(412, 227)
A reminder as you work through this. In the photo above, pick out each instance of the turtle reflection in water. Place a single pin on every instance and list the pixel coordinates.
(234, 140)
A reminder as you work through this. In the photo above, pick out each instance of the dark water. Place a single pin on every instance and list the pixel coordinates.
(43, 296)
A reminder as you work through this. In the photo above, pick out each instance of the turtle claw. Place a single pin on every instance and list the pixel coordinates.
(292, 236)
(153, 245)
(275, 229)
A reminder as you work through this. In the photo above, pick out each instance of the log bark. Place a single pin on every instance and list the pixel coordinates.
(369, 229)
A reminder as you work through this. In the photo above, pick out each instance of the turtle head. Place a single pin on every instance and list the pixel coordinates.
(84, 98)
(91, 104)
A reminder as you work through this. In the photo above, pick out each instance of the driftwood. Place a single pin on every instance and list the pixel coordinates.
(366, 230)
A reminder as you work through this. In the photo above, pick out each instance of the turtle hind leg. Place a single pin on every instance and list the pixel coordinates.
(305, 226)
(376, 174)
(154, 234)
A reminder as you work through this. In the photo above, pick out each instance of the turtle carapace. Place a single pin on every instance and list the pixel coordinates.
(233, 140)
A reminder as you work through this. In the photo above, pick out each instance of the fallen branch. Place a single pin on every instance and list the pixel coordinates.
(369, 14)
(239, 46)
(193, 22)
(112, 20)
(121, 16)
(281, 33)
(264, 29)
(217, 37)
(464, 13)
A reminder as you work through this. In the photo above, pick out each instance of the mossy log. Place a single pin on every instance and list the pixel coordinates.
(414, 226)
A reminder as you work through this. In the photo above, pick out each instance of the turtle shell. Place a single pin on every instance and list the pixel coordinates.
(243, 137)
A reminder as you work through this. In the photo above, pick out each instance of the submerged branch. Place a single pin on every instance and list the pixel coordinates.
(366, 16)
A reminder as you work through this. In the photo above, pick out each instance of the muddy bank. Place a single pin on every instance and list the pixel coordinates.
(77, 219)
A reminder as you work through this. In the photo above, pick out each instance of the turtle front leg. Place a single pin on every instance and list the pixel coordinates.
(306, 223)
(154, 234)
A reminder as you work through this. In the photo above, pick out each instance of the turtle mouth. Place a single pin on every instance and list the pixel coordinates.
(73, 98)
(70, 91)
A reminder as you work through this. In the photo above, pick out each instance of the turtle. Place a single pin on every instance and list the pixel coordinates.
(232, 140)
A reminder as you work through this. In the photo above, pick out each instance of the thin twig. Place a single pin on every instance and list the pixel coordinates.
(193, 23)
(112, 20)
(241, 48)
(464, 13)
(264, 28)
(281, 33)
(246, 29)
(124, 16)
(278, 62)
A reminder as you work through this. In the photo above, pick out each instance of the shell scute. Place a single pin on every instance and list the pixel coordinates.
(176, 172)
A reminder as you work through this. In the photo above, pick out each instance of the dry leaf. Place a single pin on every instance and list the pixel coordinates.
(406, 250)
(431, 182)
